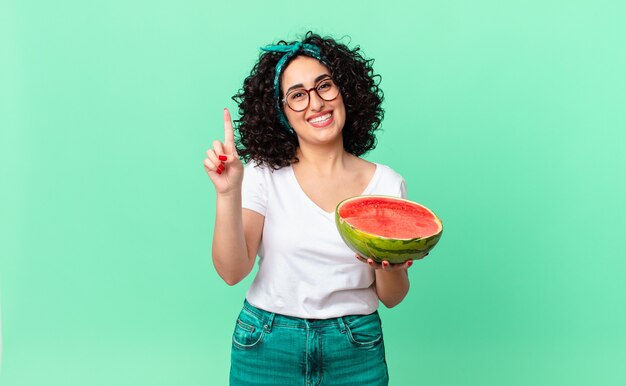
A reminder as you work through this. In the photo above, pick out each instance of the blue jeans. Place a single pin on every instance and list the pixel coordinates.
(273, 349)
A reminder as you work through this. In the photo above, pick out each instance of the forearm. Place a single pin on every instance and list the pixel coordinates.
(392, 286)
(230, 254)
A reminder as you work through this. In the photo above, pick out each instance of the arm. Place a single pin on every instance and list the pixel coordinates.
(236, 239)
(392, 280)
(237, 231)
(392, 286)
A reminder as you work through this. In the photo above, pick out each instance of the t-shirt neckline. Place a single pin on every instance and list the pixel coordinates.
(312, 203)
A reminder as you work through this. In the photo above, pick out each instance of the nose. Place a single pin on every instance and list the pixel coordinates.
(315, 102)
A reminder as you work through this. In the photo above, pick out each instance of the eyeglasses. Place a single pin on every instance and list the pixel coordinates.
(298, 99)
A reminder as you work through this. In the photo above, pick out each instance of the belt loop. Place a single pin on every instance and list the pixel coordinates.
(268, 322)
(342, 324)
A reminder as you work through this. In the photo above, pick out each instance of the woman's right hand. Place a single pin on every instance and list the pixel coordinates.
(222, 164)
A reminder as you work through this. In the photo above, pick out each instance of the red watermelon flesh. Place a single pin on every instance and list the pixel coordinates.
(390, 218)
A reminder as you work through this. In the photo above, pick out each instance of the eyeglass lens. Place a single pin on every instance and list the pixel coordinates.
(298, 100)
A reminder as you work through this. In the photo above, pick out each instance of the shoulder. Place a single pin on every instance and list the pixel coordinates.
(389, 182)
(253, 167)
(365, 165)
(264, 172)
(361, 166)
(262, 169)
(388, 172)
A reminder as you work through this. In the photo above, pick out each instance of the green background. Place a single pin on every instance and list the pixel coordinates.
(506, 118)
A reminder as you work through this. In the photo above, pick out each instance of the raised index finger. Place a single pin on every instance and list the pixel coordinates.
(229, 136)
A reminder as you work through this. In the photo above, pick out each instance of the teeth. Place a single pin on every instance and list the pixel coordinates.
(320, 119)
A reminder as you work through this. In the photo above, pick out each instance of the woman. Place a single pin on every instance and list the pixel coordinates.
(308, 110)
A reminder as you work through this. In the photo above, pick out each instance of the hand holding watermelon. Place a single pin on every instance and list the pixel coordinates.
(386, 265)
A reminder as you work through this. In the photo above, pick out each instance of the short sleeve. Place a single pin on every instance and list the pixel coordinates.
(387, 182)
(253, 190)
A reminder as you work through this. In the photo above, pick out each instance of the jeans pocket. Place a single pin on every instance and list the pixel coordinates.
(248, 332)
(364, 331)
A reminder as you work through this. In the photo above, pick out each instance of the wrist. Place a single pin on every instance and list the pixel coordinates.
(229, 194)
(395, 274)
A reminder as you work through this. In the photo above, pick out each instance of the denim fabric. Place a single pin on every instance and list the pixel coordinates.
(273, 349)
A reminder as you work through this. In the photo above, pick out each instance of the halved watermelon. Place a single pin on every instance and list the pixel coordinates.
(387, 228)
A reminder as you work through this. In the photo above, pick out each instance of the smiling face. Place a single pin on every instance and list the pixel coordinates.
(322, 121)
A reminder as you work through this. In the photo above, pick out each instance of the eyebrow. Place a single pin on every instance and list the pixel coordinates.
(300, 85)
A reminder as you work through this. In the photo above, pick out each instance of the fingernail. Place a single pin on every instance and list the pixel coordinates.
(409, 263)
(385, 264)
(218, 171)
(222, 158)
(221, 167)
(370, 262)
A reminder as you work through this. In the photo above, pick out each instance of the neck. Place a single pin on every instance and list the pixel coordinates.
(325, 160)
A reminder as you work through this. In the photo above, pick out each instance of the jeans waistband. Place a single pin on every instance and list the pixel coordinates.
(272, 319)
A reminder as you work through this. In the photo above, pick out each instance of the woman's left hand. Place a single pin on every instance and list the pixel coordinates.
(385, 265)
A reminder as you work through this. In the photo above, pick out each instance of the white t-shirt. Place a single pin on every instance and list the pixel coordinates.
(305, 268)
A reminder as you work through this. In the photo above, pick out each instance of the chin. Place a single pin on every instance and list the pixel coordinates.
(325, 135)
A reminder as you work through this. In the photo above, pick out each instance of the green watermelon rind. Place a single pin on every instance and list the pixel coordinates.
(380, 248)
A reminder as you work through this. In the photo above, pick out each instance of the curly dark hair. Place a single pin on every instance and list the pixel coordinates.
(263, 139)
